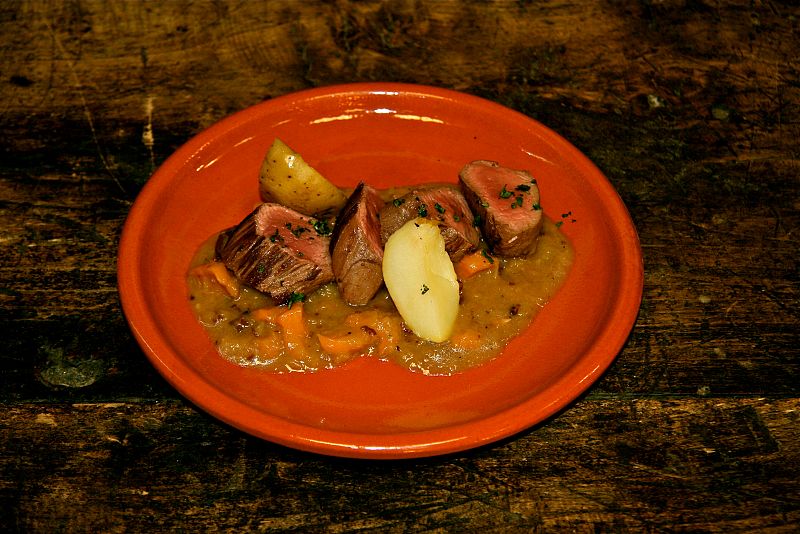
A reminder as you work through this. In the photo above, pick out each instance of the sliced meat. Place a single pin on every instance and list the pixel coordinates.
(506, 205)
(278, 252)
(356, 248)
(443, 204)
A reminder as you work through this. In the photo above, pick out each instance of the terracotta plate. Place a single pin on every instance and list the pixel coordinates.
(385, 134)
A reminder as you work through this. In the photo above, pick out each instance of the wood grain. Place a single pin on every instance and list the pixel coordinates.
(715, 465)
(692, 110)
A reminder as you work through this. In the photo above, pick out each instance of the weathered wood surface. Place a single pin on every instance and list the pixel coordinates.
(691, 108)
(710, 465)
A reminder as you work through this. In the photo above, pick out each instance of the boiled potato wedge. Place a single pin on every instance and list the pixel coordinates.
(421, 279)
(287, 179)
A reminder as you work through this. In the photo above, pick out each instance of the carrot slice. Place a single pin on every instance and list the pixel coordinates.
(472, 264)
(269, 314)
(466, 340)
(354, 341)
(294, 329)
(386, 326)
(218, 273)
(293, 323)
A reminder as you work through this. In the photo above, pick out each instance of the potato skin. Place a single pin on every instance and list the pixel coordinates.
(285, 178)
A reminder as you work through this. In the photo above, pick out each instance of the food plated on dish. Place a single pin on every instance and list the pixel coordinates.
(436, 278)
(394, 138)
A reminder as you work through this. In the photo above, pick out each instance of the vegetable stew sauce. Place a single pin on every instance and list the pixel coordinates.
(499, 299)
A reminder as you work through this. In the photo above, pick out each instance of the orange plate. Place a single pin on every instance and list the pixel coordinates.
(385, 134)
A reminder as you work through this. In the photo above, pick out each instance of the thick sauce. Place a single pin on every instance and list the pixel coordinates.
(324, 331)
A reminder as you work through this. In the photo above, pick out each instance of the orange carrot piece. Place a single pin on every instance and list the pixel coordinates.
(364, 318)
(472, 264)
(391, 329)
(218, 273)
(386, 326)
(269, 314)
(466, 340)
(293, 321)
(295, 331)
(349, 343)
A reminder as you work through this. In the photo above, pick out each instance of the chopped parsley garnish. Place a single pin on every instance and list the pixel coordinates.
(456, 218)
(275, 237)
(559, 223)
(477, 221)
(297, 230)
(322, 227)
(484, 203)
(486, 255)
(505, 193)
(517, 202)
(423, 210)
(425, 289)
(438, 207)
(523, 187)
(398, 202)
(536, 206)
(295, 297)
(261, 268)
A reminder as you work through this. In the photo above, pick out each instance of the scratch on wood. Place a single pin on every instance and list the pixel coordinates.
(103, 405)
(46, 419)
(147, 134)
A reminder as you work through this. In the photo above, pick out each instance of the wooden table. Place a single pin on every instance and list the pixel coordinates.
(692, 110)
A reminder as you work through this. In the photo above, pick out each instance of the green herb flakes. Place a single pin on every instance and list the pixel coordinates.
(323, 227)
(296, 231)
(295, 297)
